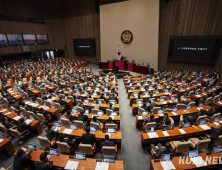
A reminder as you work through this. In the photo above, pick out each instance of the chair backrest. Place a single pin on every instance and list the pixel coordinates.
(191, 93)
(218, 141)
(149, 125)
(58, 106)
(140, 111)
(91, 100)
(29, 113)
(96, 125)
(15, 133)
(79, 109)
(200, 118)
(168, 110)
(214, 116)
(70, 98)
(108, 112)
(182, 147)
(44, 141)
(215, 99)
(192, 104)
(155, 109)
(172, 121)
(78, 101)
(65, 122)
(3, 128)
(40, 117)
(47, 103)
(203, 144)
(110, 125)
(181, 106)
(63, 147)
(94, 111)
(102, 100)
(109, 151)
(86, 149)
(79, 124)
(181, 121)
(209, 100)
(39, 100)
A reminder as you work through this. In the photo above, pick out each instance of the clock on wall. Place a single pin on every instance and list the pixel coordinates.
(126, 36)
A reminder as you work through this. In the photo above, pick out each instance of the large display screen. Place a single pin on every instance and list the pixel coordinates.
(201, 49)
(42, 39)
(3, 40)
(29, 39)
(85, 47)
(15, 39)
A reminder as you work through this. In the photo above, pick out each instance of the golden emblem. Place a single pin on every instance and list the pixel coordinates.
(126, 36)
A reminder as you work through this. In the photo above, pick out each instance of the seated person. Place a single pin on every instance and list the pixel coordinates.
(168, 105)
(102, 96)
(22, 126)
(111, 107)
(88, 138)
(166, 120)
(200, 113)
(216, 132)
(161, 150)
(41, 165)
(148, 119)
(43, 97)
(210, 113)
(69, 116)
(144, 107)
(50, 133)
(21, 160)
(61, 101)
(6, 123)
(16, 105)
(189, 118)
(107, 142)
(95, 120)
(112, 97)
(110, 121)
(151, 106)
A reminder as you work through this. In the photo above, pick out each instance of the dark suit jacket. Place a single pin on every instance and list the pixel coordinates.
(50, 134)
(88, 138)
(16, 105)
(107, 144)
(42, 166)
(62, 102)
(44, 97)
(21, 162)
(81, 117)
(22, 127)
(167, 121)
(7, 125)
(148, 121)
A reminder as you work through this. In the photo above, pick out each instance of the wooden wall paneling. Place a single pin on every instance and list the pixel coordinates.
(188, 18)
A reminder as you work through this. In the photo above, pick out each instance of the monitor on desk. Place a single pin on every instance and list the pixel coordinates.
(86, 111)
(166, 157)
(53, 107)
(2, 136)
(114, 114)
(92, 129)
(80, 156)
(203, 122)
(152, 129)
(74, 127)
(172, 98)
(57, 95)
(175, 109)
(70, 90)
(86, 101)
(49, 94)
(162, 100)
(21, 114)
(166, 91)
(54, 152)
(216, 119)
(74, 110)
(188, 107)
(109, 159)
(193, 153)
(32, 147)
(66, 97)
(157, 92)
(146, 93)
(99, 113)
(217, 149)
(144, 113)
(182, 97)
(201, 105)
(187, 124)
(170, 127)
(31, 118)
(57, 124)
(111, 130)
(160, 111)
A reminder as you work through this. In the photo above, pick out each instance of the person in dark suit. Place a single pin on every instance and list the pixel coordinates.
(166, 120)
(144, 107)
(16, 105)
(62, 102)
(107, 142)
(151, 106)
(67, 140)
(44, 97)
(21, 160)
(88, 138)
(112, 97)
(161, 150)
(6, 123)
(40, 165)
(81, 116)
(148, 120)
(102, 96)
(51, 134)
(168, 105)
(69, 116)
(190, 119)
(22, 126)
(201, 113)
(216, 132)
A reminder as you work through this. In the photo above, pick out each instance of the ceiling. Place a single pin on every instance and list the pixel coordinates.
(51, 9)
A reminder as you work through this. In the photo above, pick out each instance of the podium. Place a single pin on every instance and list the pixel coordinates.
(120, 64)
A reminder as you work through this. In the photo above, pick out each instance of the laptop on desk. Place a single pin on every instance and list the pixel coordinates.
(54, 152)
(109, 159)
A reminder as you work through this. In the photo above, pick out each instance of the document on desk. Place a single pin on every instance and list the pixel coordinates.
(160, 114)
(198, 161)
(186, 111)
(153, 135)
(216, 123)
(67, 131)
(71, 165)
(198, 95)
(8, 113)
(165, 133)
(182, 131)
(167, 165)
(220, 102)
(102, 166)
(204, 127)
(3, 110)
(140, 117)
(174, 113)
(1, 140)
(113, 117)
(17, 117)
(27, 102)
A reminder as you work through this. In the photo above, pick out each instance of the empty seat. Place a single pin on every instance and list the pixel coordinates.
(180, 147)
(65, 122)
(199, 144)
(44, 141)
(87, 149)
(109, 150)
(181, 106)
(64, 147)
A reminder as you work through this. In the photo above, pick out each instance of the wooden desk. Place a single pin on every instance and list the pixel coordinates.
(15, 95)
(6, 144)
(188, 164)
(88, 164)
(100, 136)
(34, 125)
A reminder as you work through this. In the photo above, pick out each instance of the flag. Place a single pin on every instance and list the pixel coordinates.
(119, 54)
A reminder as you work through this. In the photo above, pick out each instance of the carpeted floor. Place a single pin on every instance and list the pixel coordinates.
(134, 157)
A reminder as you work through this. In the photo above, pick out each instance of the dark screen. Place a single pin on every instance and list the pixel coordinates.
(85, 47)
(194, 50)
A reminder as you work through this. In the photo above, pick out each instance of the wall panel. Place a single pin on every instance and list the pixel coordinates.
(188, 18)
